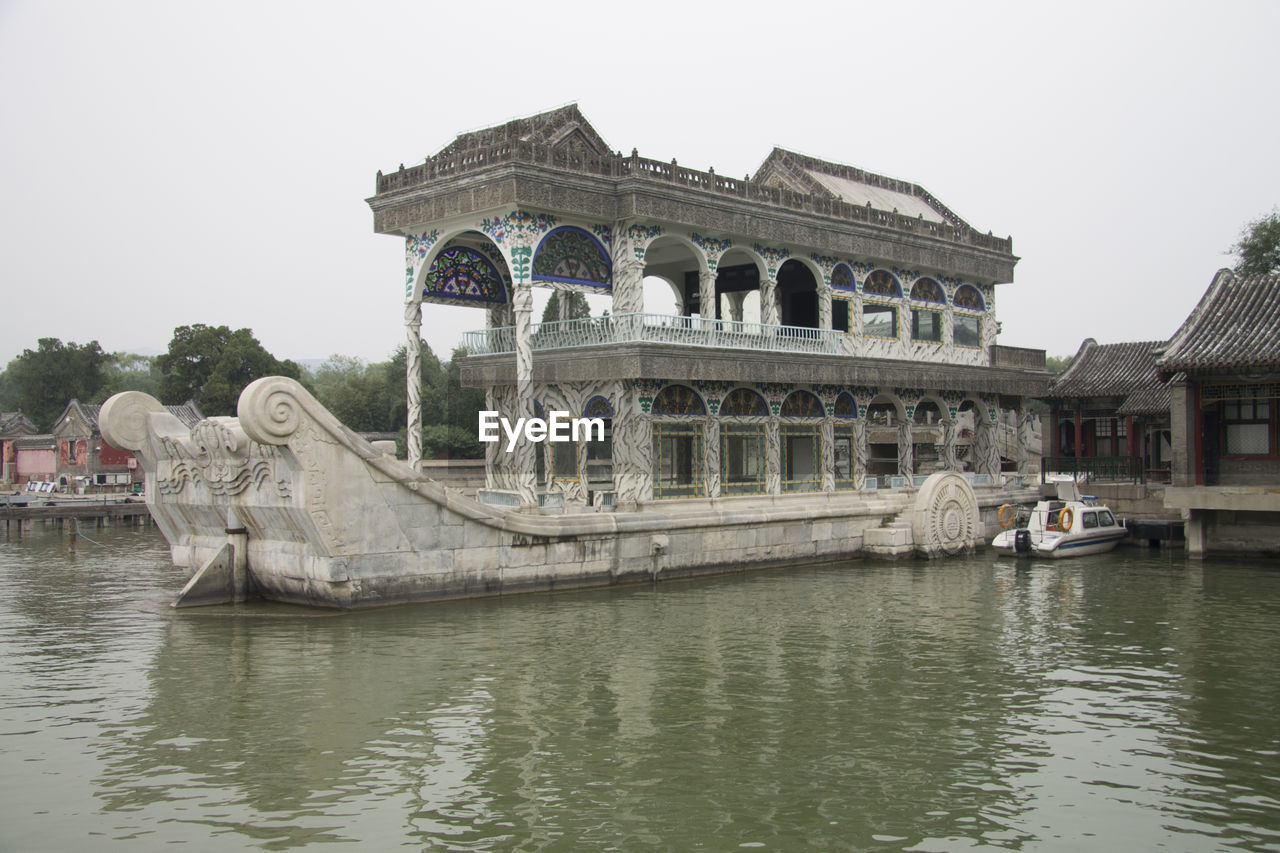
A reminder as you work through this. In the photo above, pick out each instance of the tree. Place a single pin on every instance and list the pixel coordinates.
(578, 307)
(367, 398)
(43, 380)
(1259, 246)
(212, 365)
(128, 371)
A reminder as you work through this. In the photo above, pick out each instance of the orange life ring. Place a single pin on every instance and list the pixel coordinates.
(1065, 518)
(1006, 519)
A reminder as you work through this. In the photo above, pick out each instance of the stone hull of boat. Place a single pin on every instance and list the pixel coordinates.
(285, 502)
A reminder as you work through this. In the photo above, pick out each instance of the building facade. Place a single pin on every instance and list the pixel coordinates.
(1223, 370)
(835, 330)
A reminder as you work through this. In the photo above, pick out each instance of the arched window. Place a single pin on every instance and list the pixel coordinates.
(880, 317)
(677, 445)
(742, 444)
(572, 255)
(926, 320)
(462, 274)
(801, 443)
(802, 404)
(968, 326)
(967, 296)
(743, 401)
(842, 278)
(927, 290)
(882, 283)
(678, 400)
(845, 406)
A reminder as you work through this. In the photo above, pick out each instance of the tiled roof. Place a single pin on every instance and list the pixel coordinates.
(1148, 401)
(1105, 370)
(187, 412)
(804, 174)
(561, 127)
(16, 423)
(1236, 324)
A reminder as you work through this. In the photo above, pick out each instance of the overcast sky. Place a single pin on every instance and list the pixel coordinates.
(171, 163)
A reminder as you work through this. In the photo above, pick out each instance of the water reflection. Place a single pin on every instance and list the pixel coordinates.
(922, 706)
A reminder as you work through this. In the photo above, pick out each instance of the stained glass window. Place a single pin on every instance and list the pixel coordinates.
(883, 283)
(967, 296)
(572, 255)
(741, 402)
(927, 290)
(802, 404)
(462, 273)
(842, 278)
(678, 400)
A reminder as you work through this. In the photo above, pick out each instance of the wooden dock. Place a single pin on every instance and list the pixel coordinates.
(18, 517)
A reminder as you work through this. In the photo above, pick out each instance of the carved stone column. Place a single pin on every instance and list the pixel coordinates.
(707, 294)
(828, 455)
(861, 453)
(628, 274)
(949, 461)
(735, 306)
(824, 306)
(768, 300)
(711, 451)
(413, 379)
(522, 300)
(906, 452)
(772, 457)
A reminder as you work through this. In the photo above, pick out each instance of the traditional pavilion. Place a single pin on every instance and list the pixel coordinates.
(1223, 370)
(1109, 414)
(874, 361)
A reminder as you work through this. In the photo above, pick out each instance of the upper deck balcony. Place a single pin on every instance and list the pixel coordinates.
(675, 332)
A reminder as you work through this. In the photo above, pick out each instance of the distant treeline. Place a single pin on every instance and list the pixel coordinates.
(210, 365)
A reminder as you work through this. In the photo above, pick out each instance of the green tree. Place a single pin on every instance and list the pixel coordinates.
(212, 365)
(578, 307)
(1057, 363)
(365, 397)
(1259, 246)
(128, 371)
(43, 380)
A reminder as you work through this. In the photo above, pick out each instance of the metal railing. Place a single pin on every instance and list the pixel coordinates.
(1094, 468)
(657, 328)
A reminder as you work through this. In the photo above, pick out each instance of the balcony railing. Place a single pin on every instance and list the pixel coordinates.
(1109, 469)
(657, 328)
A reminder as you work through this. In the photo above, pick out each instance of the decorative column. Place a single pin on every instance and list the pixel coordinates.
(522, 301)
(628, 269)
(773, 258)
(906, 452)
(707, 294)
(949, 461)
(824, 306)
(564, 301)
(772, 457)
(711, 453)
(861, 452)
(413, 378)
(769, 300)
(828, 454)
(416, 249)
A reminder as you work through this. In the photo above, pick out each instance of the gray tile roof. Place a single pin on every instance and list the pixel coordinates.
(187, 412)
(558, 127)
(1109, 370)
(1236, 324)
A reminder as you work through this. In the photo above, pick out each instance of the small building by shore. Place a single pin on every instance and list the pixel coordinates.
(1223, 371)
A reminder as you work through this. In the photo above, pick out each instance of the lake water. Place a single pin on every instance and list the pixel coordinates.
(1123, 702)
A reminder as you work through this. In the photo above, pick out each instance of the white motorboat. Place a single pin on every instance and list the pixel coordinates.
(1070, 525)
